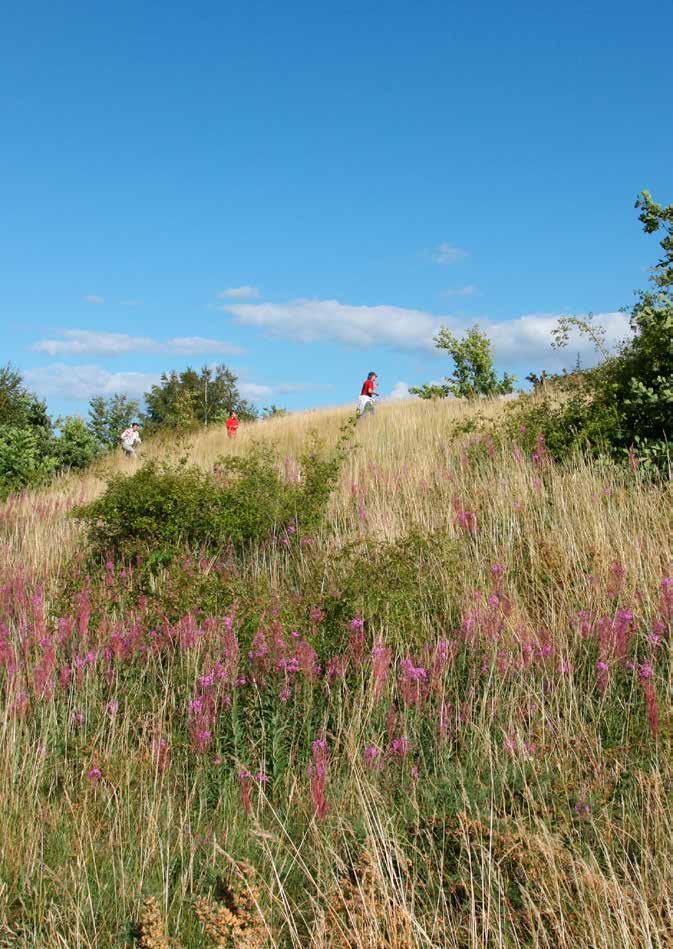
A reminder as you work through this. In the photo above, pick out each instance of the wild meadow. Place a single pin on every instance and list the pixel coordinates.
(437, 715)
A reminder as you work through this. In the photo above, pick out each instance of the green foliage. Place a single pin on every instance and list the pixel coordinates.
(76, 446)
(191, 398)
(109, 417)
(23, 459)
(164, 508)
(26, 435)
(430, 390)
(19, 406)
(625, 405)
(273, 411)
(473, 375)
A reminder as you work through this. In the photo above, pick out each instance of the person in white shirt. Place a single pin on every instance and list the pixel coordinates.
(130, 437)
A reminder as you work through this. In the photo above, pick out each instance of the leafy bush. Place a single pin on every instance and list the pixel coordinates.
(23, 460)
(163, 508)
(474, 375)
(76, 446)
(625, 405)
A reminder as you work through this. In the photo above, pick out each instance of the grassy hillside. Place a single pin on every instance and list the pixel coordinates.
(443, 719)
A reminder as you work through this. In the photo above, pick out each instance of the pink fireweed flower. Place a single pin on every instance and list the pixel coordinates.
(381, 655)
(372, 756)
(602, 669)
(413, 682)
(336, 668)
(645, 670)
(399, 747)
(617, 579)
(94, 775)
(308, 660)
(112, 707)
(356, 640)
(78, 717)
(415, 773)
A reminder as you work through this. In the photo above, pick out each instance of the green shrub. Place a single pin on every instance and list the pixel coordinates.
(624, 406)
(163, 508)
(24, 457)
(76, 446)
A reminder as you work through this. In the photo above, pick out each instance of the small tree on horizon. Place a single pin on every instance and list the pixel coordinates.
(109, 417)
(474, 375)
(196, 398)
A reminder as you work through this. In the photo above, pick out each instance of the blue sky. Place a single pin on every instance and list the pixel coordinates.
(307, 191)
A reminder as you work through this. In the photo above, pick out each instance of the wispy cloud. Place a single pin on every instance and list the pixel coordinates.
(91, 343)
(469, 290)
(253, 390)
(79, 383)
(239, 293)
(93, 298)
(448, 254)
(526, 338)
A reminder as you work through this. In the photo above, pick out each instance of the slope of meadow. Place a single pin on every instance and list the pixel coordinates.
(443, 720)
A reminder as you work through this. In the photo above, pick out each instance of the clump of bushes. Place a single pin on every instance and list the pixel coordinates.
(624, 407)
(165, 508)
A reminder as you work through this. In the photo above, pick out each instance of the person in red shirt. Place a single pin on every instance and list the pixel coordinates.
(232, 424)
(367, 395)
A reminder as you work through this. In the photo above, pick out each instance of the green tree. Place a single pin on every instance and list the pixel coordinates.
(26, 434)
(273, 411)
(23, 459)
(627, 400)
(196, 398)
(19, 406)
(430, 390)
(76, 446)
(109, 417)
(473, 375)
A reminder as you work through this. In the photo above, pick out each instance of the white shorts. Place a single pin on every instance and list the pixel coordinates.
(364, 402)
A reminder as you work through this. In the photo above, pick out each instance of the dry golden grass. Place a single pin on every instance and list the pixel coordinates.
(559, 538)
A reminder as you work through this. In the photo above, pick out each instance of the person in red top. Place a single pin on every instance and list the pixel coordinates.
(232, 424)
(367, 395)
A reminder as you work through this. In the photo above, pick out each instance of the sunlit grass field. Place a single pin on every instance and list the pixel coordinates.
(442, 720)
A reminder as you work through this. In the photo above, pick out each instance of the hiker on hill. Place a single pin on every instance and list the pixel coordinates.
(130, 437)
(367, 395)
(232, 424)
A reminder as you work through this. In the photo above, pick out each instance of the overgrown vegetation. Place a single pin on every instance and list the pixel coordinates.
(624, 407)
(437, 717)
(473, 375)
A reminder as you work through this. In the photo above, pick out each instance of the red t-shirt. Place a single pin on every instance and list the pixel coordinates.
(232, 424)
(369, 387)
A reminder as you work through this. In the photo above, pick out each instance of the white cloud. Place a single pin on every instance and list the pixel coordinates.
(448, 254)
(400, 392)
(93, 298)
(79, 383)
(469, 290)
(239, 293)
(524, 339)
(313, 321)
(91, 343)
